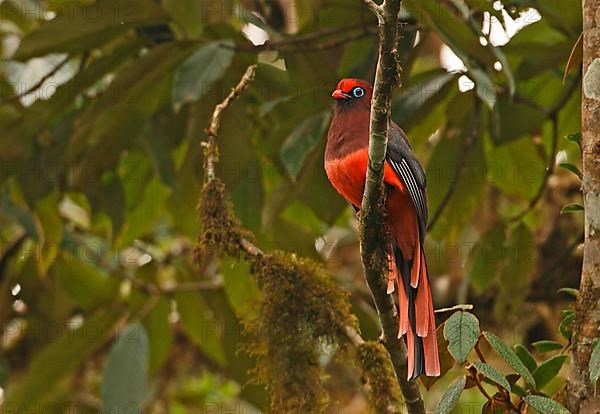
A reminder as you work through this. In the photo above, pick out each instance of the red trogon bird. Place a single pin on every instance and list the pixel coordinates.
(346, 159)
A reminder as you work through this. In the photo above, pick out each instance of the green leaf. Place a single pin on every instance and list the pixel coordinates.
(199, 324)
(517, 271)
(565, 328)
(569, 291)
(186, 14)
(511, 120)
(241, 288)
(546, 346)
(461, 330)
(573, 168)
(509, 356)
(526, 358)
(88, 26)
(87, 284)
(302, 141)
(595, 362)
(571, 208)
(576, 138)
(548, 370)
(160, 334)
(50, 230)
(487, 258)
(451, 396)
(545, 405)
(515, 165)
(147, 210)
(491, 373)
(125, 376)
(197, 75)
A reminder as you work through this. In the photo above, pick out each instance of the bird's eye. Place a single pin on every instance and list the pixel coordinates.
(358, 92)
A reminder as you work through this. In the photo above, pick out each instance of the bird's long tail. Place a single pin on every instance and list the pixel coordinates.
(415, 314)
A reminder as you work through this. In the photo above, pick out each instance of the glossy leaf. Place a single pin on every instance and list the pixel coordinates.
(526, 358)
(197, 75)
(548, 369)
(571, 208)
(487, 258)
(546, 346)
(125, 376)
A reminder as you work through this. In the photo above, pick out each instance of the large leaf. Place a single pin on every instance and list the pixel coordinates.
(545, 405)
(547, 370)
(160, 334)
(487, 258)
(517, 271)
(125, 377)
(491, 373)
(546, 346)
(51, 230)
(509, 356)
(87, 284)
(241, 288)
(461, 331)
(197, 75)
(451, 396)
(89, 25)
(186, 14)
(302, 140)
(526, 357)
(198, 323)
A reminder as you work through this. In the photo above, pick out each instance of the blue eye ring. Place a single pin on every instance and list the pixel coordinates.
(358, 92)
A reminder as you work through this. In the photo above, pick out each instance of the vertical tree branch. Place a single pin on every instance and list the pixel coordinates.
(586, 326)
(372, 229)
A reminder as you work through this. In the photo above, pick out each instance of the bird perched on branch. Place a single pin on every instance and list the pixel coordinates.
(346, 160)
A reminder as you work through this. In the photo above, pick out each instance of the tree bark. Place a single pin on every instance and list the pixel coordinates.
(372, 229)
(586, 326)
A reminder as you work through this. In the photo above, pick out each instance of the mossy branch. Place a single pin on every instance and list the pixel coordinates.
(372, 228)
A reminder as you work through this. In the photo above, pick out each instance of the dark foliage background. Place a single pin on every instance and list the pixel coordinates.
(102, 111)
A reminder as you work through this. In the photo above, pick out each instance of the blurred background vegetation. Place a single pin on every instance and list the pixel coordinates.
(103, 108)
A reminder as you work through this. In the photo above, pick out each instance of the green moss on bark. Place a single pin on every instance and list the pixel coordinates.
(301, 311)
(378, 376)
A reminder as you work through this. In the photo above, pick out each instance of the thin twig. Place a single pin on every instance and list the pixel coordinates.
(38, 84)
(464, 307)
(468, 145)
(215, 122)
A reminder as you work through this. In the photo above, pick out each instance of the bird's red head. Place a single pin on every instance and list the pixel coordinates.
(352, 89)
